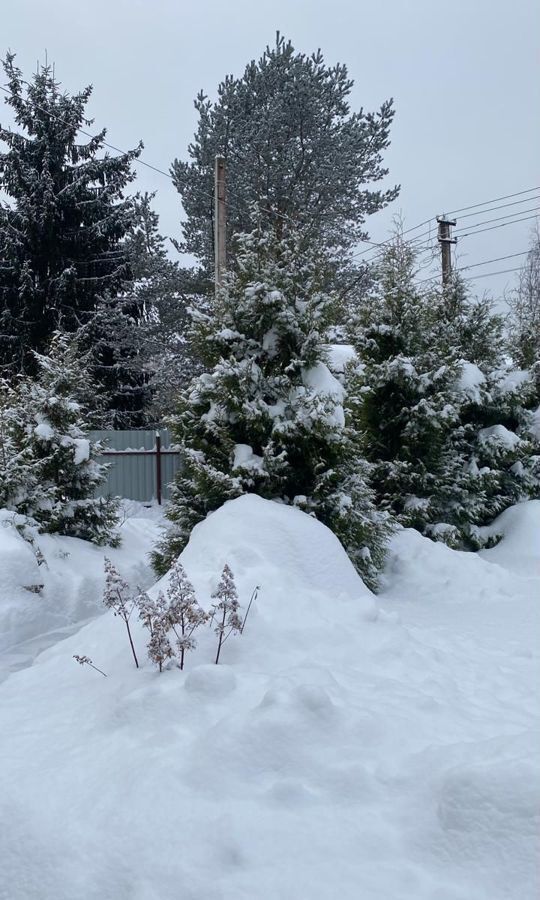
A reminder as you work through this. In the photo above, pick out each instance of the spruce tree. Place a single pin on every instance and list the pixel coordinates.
(268, 417)
(48, 469)
(62, 226)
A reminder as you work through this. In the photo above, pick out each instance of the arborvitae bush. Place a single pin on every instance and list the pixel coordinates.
(267, 416)
(450, 444)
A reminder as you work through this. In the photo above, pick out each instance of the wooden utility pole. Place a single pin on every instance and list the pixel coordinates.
(220, 221)
(446, 240)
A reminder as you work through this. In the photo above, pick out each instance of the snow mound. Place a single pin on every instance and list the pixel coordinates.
(262, 539)
(499, 435)
(347, 747)
(519, 550)
(340, 357)
(40, 603)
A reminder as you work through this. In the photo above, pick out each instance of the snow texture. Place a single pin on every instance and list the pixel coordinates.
(348, 747)
(321, 381)
(245, 458)
(500, 436)
(82, 450)
(39, 604)
(340, 356)
(470, 381)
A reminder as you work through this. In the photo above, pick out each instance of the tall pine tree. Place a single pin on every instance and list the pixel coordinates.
(293, 145)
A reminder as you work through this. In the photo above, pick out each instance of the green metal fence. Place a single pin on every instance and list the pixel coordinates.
(142, 463)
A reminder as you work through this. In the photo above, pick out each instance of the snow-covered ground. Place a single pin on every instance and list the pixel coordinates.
(348, 748)
(42, 602)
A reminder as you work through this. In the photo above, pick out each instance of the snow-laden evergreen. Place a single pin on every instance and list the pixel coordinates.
(62, 219)
(268, 417)
(450, 444)
(48, 469)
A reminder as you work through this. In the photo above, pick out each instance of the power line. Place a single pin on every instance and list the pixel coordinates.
(488, 274)
(86, 133)
(136, 159)
(503, 206)
(464, 209)
(500, 218)
(496, 259)
(384, 244)
(427, 245)
(493, 200)
(423, 248)
(494, 227)
(485, 262)
(380, 246)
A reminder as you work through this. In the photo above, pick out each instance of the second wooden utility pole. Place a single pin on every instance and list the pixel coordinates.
(220, 221)
(445, 240)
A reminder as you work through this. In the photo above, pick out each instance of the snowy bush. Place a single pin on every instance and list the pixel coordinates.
(445, 425)
(268, 417)
(48, 469)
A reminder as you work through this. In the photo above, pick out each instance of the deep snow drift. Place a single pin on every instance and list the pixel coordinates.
(40, 603)
(348, 747)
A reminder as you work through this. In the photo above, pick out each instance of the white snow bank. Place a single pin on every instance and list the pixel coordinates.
(337, 753)
(39, 603)
(519, 551)
(277, 546)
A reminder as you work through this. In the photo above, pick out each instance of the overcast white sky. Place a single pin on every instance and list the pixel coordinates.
(465, 76)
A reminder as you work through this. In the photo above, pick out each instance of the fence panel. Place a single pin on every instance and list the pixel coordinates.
(141, 467)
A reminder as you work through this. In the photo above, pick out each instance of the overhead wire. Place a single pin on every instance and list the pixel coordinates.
(380, 246)
(493, 200)
(502, 225)
(497, 219)
(136, 160)
(503, 206)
